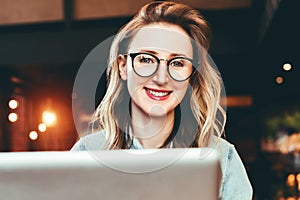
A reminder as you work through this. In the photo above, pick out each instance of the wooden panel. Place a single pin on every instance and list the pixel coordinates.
(217, 4)
(30, 11)
(237, 101)
(91, 9)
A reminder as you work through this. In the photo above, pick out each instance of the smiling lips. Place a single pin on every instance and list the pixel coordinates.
(158, 95)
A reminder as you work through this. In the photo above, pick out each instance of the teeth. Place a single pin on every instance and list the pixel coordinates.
(158, 94)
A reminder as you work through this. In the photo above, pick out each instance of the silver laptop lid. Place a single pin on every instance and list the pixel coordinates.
(118, 174)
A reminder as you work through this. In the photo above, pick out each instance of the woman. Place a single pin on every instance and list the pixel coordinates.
(163, 91)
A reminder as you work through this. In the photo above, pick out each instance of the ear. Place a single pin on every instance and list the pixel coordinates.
(122, 67)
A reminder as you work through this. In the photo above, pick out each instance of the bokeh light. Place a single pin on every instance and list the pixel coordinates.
(298, 178)
(33, 135)
(13, 104)
(279, 80)
(290, 181)
(42, 127)
(287, 67)
(13, 117)
(49, 118)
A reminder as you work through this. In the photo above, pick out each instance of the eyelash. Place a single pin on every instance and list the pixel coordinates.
(145, 59)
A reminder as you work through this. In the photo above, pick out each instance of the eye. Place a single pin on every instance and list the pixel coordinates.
(145, 59)
(177, 63)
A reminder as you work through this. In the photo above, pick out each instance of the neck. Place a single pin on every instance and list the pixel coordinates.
(152, 131)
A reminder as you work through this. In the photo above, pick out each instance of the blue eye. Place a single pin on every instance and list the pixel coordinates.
(145, 59)
(177, 63)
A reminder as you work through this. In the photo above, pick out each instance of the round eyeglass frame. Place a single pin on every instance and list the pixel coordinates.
(133, 55)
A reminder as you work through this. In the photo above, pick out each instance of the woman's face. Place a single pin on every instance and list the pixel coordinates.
(156, 94)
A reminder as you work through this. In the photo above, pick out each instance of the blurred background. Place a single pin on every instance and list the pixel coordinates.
(254, 45)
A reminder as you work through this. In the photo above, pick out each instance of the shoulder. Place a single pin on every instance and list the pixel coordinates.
(93, 141)
(227, 151)
(235, 182)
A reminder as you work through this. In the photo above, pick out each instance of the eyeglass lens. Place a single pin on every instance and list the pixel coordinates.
(145, 65)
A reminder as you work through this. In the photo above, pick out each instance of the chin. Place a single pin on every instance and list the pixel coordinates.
(158, 111)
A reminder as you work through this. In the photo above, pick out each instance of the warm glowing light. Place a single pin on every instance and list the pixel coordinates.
(42, 127)
(291, 177)
(49, 118)
(290, 181)
(298, 178)
(287, 67)
(13, 104)
(33, 135)
(279, 80)
(291, 198)
(237, 101)
(12, 117)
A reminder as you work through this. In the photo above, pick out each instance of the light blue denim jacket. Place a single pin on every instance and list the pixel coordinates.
(235, 183)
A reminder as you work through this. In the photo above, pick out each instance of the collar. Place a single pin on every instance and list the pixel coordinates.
(136, 143)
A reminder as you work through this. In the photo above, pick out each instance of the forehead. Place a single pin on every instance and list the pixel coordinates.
(166, 37)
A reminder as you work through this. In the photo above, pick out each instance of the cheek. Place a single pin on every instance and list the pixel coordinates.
(180, 90)
(134, 82)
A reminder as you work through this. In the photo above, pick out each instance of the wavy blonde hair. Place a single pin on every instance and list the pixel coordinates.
(202, 99)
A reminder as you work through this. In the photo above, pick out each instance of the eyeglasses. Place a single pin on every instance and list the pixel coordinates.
(146, 64)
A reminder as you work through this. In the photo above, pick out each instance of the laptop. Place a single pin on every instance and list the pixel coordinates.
(192, 173)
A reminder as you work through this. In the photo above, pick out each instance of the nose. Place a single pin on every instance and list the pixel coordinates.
(161, 76)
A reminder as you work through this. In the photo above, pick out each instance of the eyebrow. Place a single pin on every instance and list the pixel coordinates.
(171, 55)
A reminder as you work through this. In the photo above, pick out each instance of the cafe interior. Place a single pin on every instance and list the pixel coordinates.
(44, 44)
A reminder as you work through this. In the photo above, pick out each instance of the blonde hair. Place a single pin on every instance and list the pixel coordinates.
(203, 99)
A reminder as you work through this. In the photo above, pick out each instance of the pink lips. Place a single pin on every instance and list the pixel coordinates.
(156, 94)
